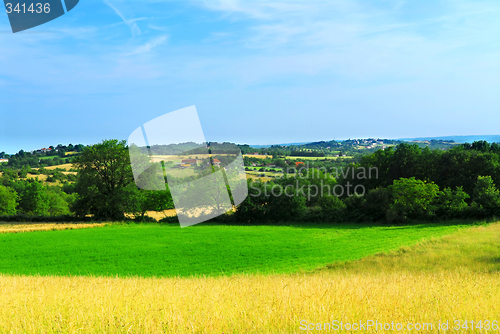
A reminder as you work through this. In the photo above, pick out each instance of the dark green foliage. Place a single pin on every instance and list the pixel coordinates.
(34, 199)
(377, 203)
(105, 184)
(333, 208)
(451, 203)
(268, 202)
(354, 211)
(37, 199)
(411, 199)
(169, 220)
(8, 201)
(486, 195)
(149, 200)
(457, 167)
(407, 186)
(145, 219)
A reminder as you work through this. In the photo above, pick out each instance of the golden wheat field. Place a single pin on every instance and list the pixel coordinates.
(397, 293)
(25, 227)
(63, 166)
(258, 156)
(252, 304)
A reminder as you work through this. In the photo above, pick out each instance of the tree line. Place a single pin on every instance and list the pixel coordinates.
(411, 183)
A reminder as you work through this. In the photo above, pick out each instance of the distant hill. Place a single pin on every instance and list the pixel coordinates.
(288, 144)
(456, 139)
(461, 139)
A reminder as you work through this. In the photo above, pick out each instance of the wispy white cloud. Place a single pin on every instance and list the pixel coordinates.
(131, 23)
(357, 39)
(158, 28)
(149, 46)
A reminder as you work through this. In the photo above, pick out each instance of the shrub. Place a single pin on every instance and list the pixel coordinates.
(411, 198)
(8, 201)
(377, 203)
(169, 220)
(145, 219)
(451, 203)
(354, 210)
(486, 195)
(333, 207)
(262, 206)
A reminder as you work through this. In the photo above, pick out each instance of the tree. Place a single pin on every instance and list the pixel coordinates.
(486, 194)
(34, 198)
(332, 206)
(105, 184)
(451, 203)
(151, 200)
(58, 201)
(8, 201)
(411, 199)
(269, 202)
(377, 203)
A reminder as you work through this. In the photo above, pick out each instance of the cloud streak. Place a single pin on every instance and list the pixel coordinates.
(148, 46)
(131, 23)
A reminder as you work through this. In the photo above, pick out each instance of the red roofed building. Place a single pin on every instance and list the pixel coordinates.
(298, 163)
(216, 162)
(190, 161)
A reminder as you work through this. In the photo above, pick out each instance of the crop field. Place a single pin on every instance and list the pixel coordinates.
(40, 177)
(255, 177)
(258, 156)
(63, 166)
(151, 250)
(24, 227)
(268, 175)
(409, 284)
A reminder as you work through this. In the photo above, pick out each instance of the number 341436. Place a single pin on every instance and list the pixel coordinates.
(28, 8)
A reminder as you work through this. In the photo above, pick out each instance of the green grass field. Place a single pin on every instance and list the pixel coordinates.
(298, 158)
(166, 251)
(267, 174)
(50, 157)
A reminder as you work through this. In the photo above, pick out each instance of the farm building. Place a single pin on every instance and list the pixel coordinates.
(43, 150)
(190, 161)
(216, 162)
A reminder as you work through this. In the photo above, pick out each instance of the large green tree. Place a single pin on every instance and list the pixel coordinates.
(8, 201)
(411, 198)
(105, 183)
(486, 194)
(33, 198)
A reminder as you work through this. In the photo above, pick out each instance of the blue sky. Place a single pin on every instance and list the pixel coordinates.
(259, 72)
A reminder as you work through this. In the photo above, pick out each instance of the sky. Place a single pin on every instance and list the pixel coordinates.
(258, 71)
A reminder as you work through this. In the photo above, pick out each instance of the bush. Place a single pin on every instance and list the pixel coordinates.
(8, 201)
(169, 220)
(451, 204)
(262, 206)
(145, 219)
(486, 195)
(377, 203)
(412, 198)
(332, 207)
(354, 210)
